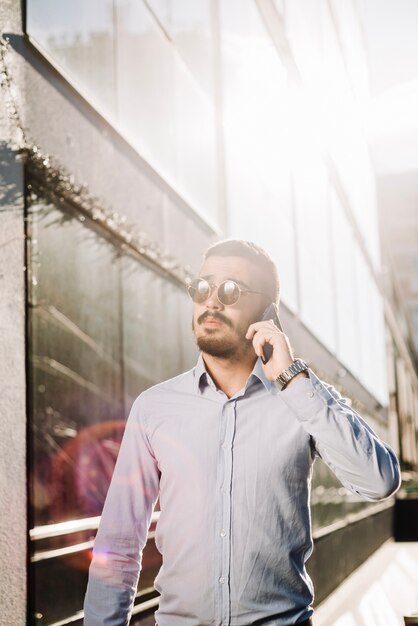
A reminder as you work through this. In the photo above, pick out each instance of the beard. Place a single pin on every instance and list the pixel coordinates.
(229, 346)
(218, 347)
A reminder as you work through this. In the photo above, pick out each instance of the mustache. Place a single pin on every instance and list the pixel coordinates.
(216, 316)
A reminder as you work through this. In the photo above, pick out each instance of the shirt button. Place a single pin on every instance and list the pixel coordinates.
(223, 533)
(222, 580)
(311, 394)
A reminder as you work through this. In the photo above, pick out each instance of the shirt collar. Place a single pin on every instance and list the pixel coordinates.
(259, 373)
(200, 373)
(202, 376)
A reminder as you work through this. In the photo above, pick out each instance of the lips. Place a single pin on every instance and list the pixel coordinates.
(211, 321)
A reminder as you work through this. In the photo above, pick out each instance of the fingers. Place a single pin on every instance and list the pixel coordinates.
(261, 333)
(266, 332)
(257, 326)
(263, 338)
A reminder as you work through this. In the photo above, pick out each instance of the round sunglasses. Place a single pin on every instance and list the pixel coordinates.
(228, 292)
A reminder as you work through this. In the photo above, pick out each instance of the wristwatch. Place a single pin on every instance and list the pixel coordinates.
(286, 376)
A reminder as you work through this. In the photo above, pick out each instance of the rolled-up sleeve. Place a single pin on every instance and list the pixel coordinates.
(345, 442)
(123, 528)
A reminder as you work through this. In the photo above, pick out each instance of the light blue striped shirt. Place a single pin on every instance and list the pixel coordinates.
(233, 478)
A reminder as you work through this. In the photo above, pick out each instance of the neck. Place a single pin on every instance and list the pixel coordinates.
(230, 375)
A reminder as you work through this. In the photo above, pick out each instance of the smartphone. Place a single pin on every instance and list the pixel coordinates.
(271, 313)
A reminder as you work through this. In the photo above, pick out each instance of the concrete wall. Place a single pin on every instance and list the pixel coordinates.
(13, 527)
(13, 524)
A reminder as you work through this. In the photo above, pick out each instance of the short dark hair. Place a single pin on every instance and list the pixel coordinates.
(253, 253)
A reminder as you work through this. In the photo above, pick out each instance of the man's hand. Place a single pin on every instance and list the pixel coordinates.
(266, 332)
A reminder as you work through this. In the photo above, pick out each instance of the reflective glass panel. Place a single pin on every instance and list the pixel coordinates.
(75, 357)
(79, 37)
(155, 87)
(343, 243)
(102, 328)
(155, 346)
(191, 26)
(315, 263)
(257, 139)
(162, 109)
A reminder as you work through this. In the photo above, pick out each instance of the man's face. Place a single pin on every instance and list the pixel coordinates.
(220, 330)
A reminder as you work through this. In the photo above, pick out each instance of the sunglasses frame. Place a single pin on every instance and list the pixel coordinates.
(212, 286)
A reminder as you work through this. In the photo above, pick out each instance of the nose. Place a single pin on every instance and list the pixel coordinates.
(212, 302)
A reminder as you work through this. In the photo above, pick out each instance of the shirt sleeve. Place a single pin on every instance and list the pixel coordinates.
(345, 442)
(123, 529)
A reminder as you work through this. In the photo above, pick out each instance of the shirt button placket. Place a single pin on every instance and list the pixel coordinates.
(224, 532)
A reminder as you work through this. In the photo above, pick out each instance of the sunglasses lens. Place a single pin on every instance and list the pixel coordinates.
(228, 292)
(199, 290)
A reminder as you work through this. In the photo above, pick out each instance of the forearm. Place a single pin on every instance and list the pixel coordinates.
(114, 570)
(361, 461)
(109, 598)
(123, 529)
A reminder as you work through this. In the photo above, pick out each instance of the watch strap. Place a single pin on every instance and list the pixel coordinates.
(290, 372)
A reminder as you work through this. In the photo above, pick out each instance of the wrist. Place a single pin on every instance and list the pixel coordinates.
(297, 377)
(295, 369)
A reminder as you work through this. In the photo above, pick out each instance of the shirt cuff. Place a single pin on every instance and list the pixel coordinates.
(306, 396)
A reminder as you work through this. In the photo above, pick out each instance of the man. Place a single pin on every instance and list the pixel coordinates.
(228, 448)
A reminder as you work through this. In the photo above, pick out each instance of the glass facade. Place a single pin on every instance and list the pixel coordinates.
(202, 92)
(148, 67)
(79, 37)
(102, 328)
(299, 179)
(291, 149)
